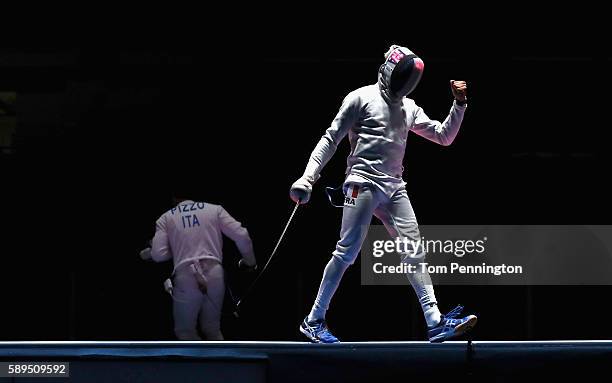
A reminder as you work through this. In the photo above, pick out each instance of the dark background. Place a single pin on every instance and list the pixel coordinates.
(114, 115)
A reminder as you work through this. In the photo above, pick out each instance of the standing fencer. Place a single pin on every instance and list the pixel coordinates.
(191, 235)
(377, 119)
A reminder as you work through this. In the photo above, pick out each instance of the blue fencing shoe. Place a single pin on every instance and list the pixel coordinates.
(450, 327)
(317, 331)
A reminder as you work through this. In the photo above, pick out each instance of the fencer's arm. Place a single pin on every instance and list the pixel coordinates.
(239, 234)
(160, 247)
(442, 133)
(326, 147)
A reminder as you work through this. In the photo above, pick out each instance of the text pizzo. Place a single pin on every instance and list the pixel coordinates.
(194, 206)
(188, 220)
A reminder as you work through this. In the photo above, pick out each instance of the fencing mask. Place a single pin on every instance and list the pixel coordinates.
(400, 73)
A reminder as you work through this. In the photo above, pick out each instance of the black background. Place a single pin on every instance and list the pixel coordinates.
(115, 112)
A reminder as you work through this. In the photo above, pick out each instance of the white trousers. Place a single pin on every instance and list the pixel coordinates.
(362, 201)
(191, 307)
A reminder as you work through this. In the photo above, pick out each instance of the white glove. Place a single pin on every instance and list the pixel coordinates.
(146, 254)
(301, 190)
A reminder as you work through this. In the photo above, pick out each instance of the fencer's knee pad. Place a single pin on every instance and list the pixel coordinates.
(412, 254)
(412, 247)
(412, 257)
(347, 250)
(343, 260)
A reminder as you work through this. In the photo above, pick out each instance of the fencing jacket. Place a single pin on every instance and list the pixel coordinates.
(193, 230)
(378, 127)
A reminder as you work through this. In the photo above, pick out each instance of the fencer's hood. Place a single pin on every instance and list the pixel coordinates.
(400, 73)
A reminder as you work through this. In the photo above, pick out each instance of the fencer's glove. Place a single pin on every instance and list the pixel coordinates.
(301, 190)
(459, 89)
(242, 265)
(145, 254)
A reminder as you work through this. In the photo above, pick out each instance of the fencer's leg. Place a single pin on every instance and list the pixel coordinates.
(212, 304)
(399, 219)
(359, 206)
(187, 300)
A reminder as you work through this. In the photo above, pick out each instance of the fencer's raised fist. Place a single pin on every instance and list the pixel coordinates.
(459, 89)
(300, 191)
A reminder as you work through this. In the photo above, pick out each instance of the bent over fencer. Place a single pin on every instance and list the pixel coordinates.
(191, 234)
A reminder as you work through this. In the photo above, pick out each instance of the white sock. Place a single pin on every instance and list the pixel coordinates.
(421, 283)
(432, 314)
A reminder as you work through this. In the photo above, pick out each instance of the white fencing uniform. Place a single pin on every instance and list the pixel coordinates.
(191, 234)
(377, 123)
